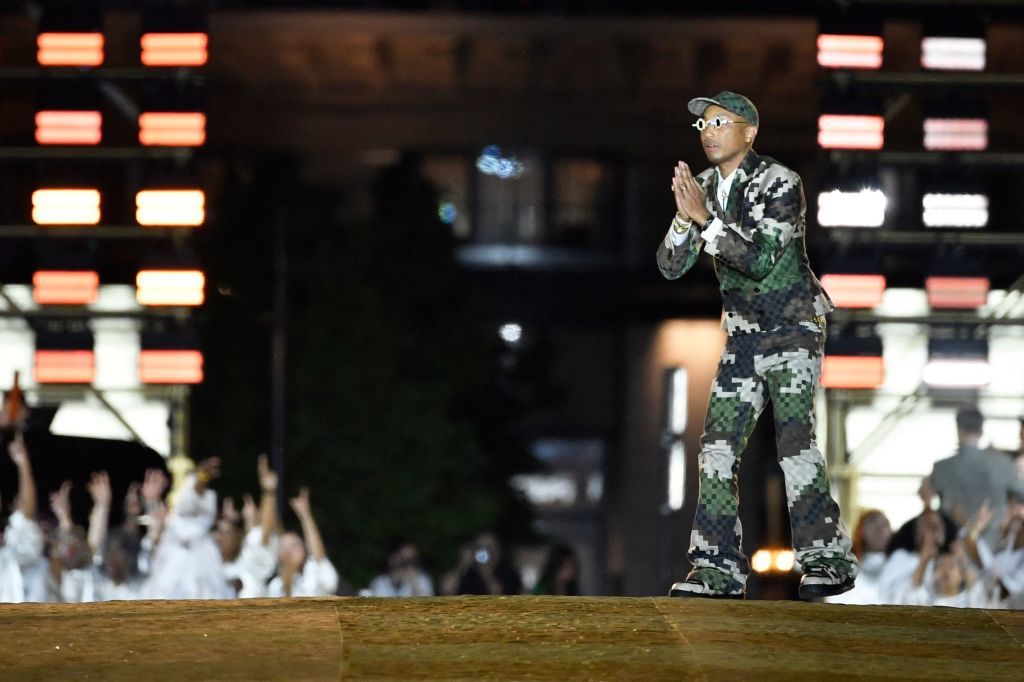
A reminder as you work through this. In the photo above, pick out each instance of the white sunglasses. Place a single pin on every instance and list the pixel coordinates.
(716, 123)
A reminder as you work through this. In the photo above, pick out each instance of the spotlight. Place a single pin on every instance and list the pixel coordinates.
(66, 206)
(65, 287)
(511, 333)
(851, 131)
(172, 128)
(954, 210)
(861, 208)
(69, 127)
(184, 208)
(170, 287)
(174, 49)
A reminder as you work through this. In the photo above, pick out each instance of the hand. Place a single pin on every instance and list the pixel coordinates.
(689, 195)
(300, 504)
(982, 518)
(99, 489)
(60, 504)
(267, 476)
(929, 548)
(154, 485)
(18, 452)
(926, 492)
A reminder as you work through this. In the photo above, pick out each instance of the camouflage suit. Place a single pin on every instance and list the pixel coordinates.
(774, 317)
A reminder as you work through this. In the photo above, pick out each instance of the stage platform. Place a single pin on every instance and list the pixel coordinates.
(472, 638)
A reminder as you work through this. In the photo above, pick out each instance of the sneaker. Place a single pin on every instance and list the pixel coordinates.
(708, 584)
(824, 580)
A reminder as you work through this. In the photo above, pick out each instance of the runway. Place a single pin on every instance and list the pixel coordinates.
(471, 638)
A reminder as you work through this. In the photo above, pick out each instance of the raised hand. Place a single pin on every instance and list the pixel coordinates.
(18, 452)
(60, 504)
(300, 504)
(154, 485)
(99, 489)
(268, 477)
(228, 512)
(250, 512)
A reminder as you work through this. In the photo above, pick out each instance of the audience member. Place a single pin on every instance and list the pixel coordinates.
(974, 475)
(250, 548)
(22, 565)
(486, 570)
(305, 570)
(871, 537)
(404, 577)
(561, 573)
(930, 533)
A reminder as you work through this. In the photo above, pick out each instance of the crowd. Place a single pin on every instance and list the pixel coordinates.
(185, 545)
(965, 551)
(965, 548)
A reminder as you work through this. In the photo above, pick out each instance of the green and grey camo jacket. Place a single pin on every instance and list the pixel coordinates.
(758, 247)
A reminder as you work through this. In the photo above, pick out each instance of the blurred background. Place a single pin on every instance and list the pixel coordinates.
(407, 250)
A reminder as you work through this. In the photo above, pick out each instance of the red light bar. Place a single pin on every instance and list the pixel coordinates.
(174, 49)
(957, 292)
(841, 131)
(65, 366)
(69, 127)
(850, 51)
(170, 367)
(955, 134)
(65, 287)
(172, 128)
(852, 371)
(854, 291)
(69, 49)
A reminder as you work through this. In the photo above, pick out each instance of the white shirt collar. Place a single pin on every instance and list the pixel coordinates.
(724, 185)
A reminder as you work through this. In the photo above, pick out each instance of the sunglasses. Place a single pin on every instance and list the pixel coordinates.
(716, 123)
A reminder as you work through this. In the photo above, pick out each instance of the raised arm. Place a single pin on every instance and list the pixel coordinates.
(99, 517)
(314, 543)
(268, 499)
(27, 496)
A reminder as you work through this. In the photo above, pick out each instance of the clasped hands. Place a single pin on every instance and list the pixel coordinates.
(689, 195)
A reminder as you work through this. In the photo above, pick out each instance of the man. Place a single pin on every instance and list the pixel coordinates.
(747, 211)
(974, 476)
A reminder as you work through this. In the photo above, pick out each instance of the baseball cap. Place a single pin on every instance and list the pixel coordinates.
(731, 101)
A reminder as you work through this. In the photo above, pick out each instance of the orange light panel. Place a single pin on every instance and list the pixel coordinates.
(69, 127)
(171, 367)
(852, 371)
(170, 287)
(174, 49)
(854, 291)
(69, 49)
(65, 366)
(66, 206)
(957, 292)
(170, 207)
(172, 128)
(849, 51)
(841, 131)
(65, 287)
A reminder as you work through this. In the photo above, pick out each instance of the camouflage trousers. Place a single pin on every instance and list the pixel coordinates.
(783, 366)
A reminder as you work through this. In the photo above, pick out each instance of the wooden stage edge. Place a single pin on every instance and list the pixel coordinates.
(472, 638)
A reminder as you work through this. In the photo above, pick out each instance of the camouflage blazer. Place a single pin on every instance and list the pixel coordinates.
(759, 253)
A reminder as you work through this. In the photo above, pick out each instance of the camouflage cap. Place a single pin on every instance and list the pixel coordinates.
(731, 101)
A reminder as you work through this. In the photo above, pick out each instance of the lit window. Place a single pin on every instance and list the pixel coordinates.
(170, 287)
(65, 366)
(953, 53)
(69, 127)
(69, 49)
(850, 51)
(170, 367)
(955, 134)
(174, 129)
(170, 207)
(865, 208)
(174, 49)
(955, 210)
(957, 292)
(850, 131)
(61, 287)
(854, 290)
(66, 206)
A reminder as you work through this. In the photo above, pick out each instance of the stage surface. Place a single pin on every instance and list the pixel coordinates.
(472, 638)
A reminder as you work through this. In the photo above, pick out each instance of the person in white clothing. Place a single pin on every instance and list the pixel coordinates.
(250, 551)
(305, 570)
(870, 540)
(22, 563)
(404, 578)
(70, 554)
(186, 562)
(951, 583)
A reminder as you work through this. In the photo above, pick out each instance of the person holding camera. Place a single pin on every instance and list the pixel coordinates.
(484, 569)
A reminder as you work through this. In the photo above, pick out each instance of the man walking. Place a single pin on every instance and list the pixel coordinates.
(747, 211)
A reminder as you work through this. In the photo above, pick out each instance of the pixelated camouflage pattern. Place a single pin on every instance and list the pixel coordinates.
(782, 366)
(760, 255)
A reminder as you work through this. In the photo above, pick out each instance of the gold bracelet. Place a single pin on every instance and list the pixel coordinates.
(679, 226)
